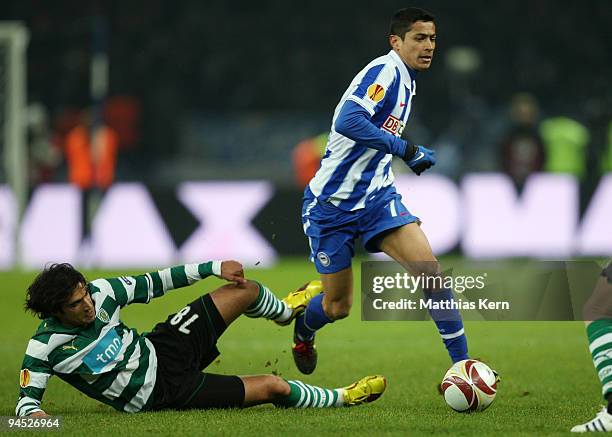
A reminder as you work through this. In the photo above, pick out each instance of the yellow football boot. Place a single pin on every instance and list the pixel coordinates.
(298, 300)
(365, 390)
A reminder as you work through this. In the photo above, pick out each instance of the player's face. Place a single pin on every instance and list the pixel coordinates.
(79, 309)
(417, 47)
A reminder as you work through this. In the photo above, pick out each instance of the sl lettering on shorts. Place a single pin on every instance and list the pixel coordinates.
(105, 352)
(323, 259)
(393, 125)
(178, 318)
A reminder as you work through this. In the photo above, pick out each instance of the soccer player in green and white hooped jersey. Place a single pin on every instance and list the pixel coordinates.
(598, 316)
(82, 340)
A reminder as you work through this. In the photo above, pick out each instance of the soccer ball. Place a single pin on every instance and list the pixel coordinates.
(469, 385)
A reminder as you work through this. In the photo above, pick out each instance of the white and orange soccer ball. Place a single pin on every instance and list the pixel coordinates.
(469, 385)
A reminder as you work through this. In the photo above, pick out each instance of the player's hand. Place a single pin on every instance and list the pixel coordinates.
(421, 159)
(232, 271)
(39, 414)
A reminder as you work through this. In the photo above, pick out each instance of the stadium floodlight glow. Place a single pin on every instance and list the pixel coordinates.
(51, 226)
(541, 222)
(435, 199)
(225, 211)
(129, 231)
(487, 215)
(596, 230)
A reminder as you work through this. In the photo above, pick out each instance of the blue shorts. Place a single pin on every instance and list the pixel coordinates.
(332, 231)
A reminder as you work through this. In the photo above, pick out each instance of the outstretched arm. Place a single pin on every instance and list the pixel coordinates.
(143, 288)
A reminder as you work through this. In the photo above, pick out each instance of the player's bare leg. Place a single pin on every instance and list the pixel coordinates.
(409, 246)
(253, 300)
(335, 303)
(338, 297)
(232, 300)
(262, 389)
(269, 388)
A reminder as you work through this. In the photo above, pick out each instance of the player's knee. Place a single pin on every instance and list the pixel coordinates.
(338, 309)
(425, 268)
(277, 387)
(249, 291)
(252, 289)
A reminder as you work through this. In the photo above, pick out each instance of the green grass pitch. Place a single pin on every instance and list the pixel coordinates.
(548, 381)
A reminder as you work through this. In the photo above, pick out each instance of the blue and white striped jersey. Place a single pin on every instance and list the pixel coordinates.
(353, 172)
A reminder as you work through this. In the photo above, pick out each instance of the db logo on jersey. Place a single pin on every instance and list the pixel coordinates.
(393, 125)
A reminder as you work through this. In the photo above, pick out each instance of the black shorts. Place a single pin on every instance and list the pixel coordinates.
(185, 344)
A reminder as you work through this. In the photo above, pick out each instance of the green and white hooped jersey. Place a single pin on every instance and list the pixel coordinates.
(106, 360)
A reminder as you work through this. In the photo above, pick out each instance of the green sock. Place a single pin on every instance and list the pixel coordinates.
(600, 345)
(308, 396)
(267, 305)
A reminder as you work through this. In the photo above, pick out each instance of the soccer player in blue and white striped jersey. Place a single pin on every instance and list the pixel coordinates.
(83, 341)
(352, 194)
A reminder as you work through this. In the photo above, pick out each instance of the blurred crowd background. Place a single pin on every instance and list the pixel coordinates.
(245, 90)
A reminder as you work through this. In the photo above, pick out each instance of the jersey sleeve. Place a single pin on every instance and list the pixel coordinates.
(142, 288)
(354, 122)
(375, 87)
(33, 378)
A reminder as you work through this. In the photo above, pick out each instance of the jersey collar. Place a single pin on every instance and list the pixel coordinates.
(412, 73)
(54, 326)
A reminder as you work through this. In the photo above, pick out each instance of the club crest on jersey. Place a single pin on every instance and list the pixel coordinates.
(323, 259)
(393, 125)
(376, 92)
(24, 378)
(103, 315)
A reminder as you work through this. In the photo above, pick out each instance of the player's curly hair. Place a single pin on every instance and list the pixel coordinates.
(402, 20)
(51, 289)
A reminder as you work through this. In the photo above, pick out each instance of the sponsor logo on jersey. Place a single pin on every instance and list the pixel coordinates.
(376, 92)
(105, 352)
(393, 125)
(103, 315)
(323, 259)
(24, 378)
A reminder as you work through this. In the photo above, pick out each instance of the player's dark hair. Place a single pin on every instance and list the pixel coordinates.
(402, 20)
(51, 289)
